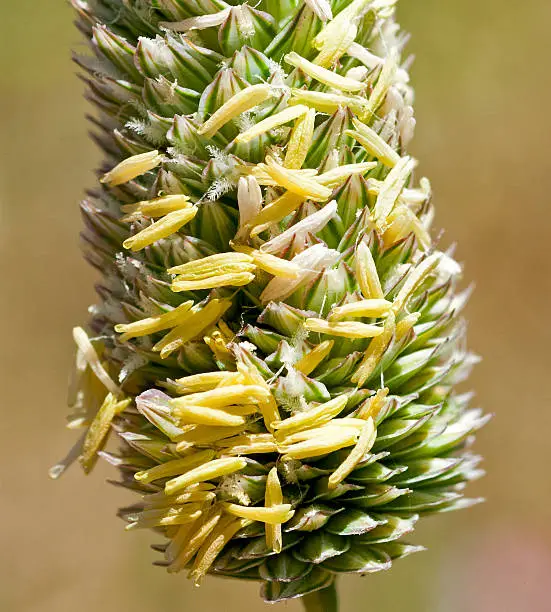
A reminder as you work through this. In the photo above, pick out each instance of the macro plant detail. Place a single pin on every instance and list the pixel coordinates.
(278, 336)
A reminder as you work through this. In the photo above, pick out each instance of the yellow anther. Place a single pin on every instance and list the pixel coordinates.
(232, 279)
(333, 440)
(363, 308)
(374, 144)
(296, 182)
(196, 493)
(164, 227)
(201, 319)
(157, 323)
(204, 415)
(365, 442)
(374, 352)
(390, 191)
(414, 279)
(273, 497)
(406, 324)
(132, 167)
(337, 36)
(248, 444)
(174, 467)
(336, 43)
(276, 211)
(337, 176)
(210, 264)
(91, 357)
(149, 519)
(226, 396)
(271, 122)
(269, 409)
(270, 263)
(311, 360)
(99, 429)
(241, 102)
(371, 408)
(206, 434)
(193, 537)
(300, 140)
(204, 382)
(313, 417)
(155, 208)
(327, 103)
(346, 329)
(403, 221)
(352, 426)
(275, 515)
(327, 77)
(386, 79)
(214, 544)
(366, 273)
(208, 471)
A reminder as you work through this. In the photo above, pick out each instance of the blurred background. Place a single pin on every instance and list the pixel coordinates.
(483, 92)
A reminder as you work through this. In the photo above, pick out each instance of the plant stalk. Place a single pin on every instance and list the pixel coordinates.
(324, 600)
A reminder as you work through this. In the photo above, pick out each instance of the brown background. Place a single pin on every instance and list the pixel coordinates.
(483, 86)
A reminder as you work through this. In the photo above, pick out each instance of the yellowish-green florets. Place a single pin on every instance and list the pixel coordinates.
(278, 337)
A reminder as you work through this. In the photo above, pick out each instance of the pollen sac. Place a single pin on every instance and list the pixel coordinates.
(278, 340)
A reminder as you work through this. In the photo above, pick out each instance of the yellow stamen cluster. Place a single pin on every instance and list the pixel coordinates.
(189, 503)
(198, 320)
(339, 33)
(221, 270)
(221, 417)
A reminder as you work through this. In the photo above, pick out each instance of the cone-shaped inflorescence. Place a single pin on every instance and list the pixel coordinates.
(277, 338)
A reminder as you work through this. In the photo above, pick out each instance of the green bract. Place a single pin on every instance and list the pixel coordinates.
(277, 339)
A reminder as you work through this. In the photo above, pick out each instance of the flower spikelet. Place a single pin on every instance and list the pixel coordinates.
(273, 359)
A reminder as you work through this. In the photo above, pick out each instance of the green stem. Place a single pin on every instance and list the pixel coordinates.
(325, 600)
